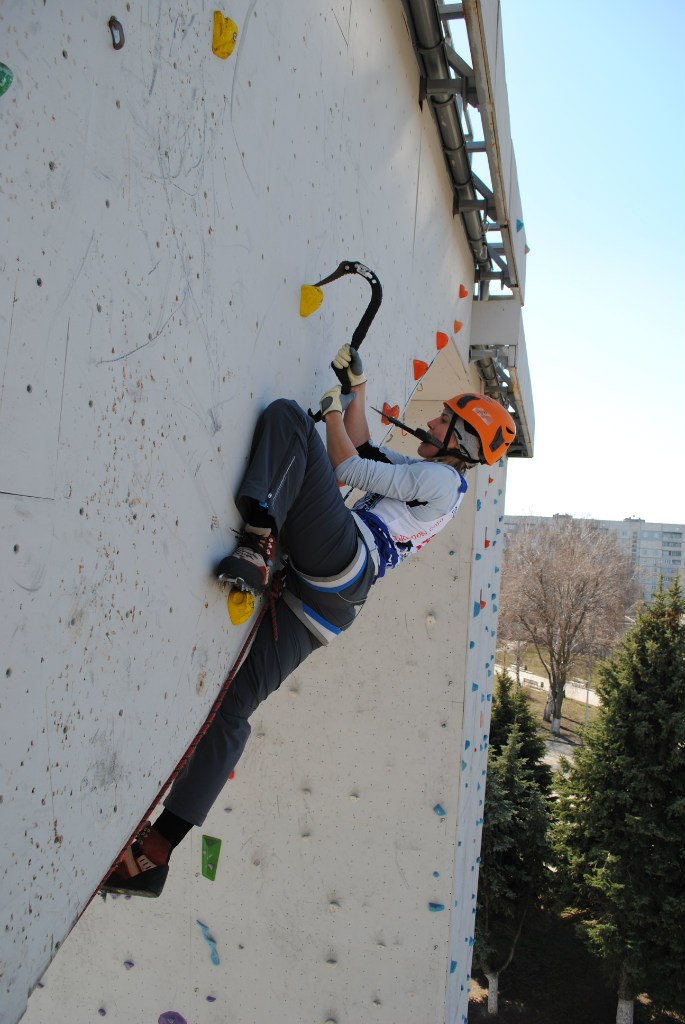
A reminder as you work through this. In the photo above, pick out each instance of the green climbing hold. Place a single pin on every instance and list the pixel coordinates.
(6, 77)
(211, 849)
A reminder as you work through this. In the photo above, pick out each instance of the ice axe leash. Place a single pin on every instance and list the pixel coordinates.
(312, 297)
(422, 435)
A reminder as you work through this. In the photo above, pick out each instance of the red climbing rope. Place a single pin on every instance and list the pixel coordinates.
(272, 596)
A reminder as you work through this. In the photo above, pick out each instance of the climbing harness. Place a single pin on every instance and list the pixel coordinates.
(360, 331)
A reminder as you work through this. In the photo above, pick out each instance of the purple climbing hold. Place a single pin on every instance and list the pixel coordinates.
(102, 1011)
(211, 999)
(171, 1017)
(128, 964)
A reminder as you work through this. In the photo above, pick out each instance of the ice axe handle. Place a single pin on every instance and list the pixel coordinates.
(341, 374)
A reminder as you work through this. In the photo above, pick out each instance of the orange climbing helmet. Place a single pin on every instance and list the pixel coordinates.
(486, 419)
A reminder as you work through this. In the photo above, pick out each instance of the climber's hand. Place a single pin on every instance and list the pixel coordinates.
(334, 401)
(349, 359)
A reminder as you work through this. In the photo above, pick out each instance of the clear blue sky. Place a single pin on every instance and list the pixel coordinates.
(596, 96)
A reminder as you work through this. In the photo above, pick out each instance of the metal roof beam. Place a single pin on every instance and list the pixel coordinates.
(448, 12)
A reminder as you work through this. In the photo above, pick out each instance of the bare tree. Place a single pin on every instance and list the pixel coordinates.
(566, 586)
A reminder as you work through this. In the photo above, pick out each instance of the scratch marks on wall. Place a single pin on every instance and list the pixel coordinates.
(242, 40)
(416, 197)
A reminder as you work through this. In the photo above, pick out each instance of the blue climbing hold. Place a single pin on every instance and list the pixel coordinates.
(453, 966)
(519, 225)
(212, 945)
(439, 810)
(435, 908)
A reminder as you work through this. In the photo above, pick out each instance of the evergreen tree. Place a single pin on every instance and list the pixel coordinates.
(622, 811)
(514, 850)
(510, 707)
(503, 712)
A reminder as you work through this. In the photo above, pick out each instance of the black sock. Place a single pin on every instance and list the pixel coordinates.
(258, 516)
(172, 828)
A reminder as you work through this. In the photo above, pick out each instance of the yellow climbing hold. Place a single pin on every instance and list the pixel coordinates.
(224, 36)
(311, 298)
(240, 606)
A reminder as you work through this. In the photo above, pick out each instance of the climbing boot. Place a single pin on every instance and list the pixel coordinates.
(143, 868)
(249, 567)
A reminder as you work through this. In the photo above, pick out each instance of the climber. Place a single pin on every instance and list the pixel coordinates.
(333, 556)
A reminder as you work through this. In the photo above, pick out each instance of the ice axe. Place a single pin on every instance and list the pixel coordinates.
(311, 298)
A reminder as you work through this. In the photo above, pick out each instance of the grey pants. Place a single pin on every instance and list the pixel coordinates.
(290, 475)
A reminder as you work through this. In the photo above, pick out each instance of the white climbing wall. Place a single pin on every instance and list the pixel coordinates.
(160, 209)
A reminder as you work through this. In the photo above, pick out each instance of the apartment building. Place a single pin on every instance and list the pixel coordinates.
(655, 549)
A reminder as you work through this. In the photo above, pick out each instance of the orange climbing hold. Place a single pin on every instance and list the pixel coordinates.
(491, 479)
(389, 410)
(457, 326)
(419, 368)
(441, 340)
(463, 292)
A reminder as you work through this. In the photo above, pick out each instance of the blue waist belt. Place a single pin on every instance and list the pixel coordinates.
(387, 552)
